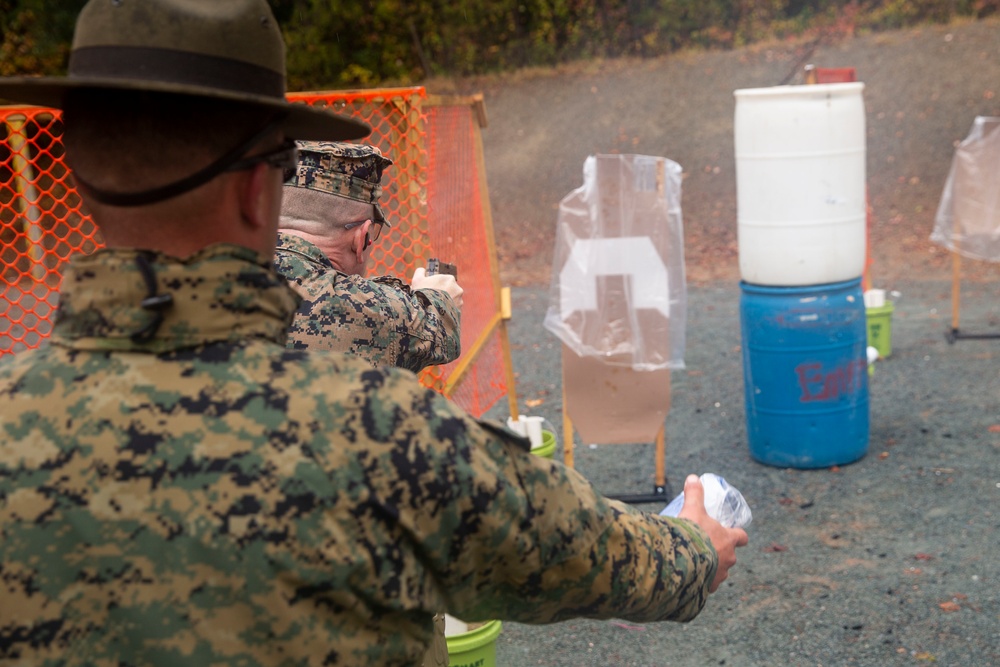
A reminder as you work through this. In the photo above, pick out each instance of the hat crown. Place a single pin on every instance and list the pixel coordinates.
(226, 50)
(240, 30)
(346, 170)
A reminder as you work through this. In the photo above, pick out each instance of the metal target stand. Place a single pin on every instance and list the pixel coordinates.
(956, 333)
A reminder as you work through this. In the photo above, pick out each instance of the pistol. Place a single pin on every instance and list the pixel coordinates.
(434, 265)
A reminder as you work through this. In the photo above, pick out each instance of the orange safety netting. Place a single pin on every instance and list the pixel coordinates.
(41, 224)
(461, 233)
(433, 196)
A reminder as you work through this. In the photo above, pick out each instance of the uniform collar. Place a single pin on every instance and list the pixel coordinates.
(124, 299)
(299, 246)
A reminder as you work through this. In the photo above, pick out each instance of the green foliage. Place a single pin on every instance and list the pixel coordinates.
(364, 43)
(901, 13)
(406, 41)
(36, 35)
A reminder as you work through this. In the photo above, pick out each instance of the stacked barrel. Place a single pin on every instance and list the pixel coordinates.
(801, 205)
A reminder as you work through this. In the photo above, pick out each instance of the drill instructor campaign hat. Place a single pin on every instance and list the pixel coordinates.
(219, 49)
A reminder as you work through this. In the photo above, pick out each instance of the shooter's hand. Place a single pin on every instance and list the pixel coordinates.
(439, 281)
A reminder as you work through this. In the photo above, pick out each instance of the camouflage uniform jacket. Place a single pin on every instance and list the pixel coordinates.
(378, 319)
(197, 493)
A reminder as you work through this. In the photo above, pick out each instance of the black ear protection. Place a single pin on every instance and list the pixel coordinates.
(368, 242)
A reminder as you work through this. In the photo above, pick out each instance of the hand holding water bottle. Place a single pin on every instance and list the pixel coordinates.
(725, 540)
(723, 502)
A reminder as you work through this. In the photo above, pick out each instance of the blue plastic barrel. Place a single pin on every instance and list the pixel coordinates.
(805, 373)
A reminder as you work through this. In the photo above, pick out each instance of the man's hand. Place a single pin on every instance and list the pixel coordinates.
(439, 281)
(725, 540)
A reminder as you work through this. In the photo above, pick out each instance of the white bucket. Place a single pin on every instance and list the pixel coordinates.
(800, 177)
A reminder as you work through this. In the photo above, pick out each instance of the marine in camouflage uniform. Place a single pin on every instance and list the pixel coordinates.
(210, 496)
(179, 487)
(379, 319)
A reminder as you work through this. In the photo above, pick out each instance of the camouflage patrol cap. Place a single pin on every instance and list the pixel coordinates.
(353, 171)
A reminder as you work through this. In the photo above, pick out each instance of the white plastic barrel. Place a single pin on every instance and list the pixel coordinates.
(800, 183)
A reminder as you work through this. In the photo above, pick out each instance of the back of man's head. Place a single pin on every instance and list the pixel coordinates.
(128, 141)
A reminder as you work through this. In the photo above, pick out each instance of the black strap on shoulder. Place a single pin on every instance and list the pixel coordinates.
(154, 302)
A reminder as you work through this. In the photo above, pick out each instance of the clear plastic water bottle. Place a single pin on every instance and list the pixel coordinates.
(723, 502)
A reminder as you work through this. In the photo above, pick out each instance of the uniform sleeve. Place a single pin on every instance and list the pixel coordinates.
(507, 534)
(381, 320)
(430, 333)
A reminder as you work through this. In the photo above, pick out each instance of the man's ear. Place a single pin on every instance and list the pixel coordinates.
(255, 196)
(362, 239)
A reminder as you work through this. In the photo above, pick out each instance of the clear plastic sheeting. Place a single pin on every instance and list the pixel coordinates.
(618, 289)
(968, 218)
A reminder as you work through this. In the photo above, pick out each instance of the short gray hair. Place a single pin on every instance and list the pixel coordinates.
(319, 213)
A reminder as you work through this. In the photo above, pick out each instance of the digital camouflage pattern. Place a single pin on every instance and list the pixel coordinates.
(353, 171)
(209, 496)
(379, 319)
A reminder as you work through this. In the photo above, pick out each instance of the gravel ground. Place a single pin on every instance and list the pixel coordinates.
(888, 561)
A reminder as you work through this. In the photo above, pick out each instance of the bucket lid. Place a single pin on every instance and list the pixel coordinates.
(812, 90)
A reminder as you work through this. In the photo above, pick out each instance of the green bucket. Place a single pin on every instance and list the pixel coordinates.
(475, 648)
(548, 446)
(880, 328)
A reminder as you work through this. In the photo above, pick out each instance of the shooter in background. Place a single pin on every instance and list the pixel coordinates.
(330, 218)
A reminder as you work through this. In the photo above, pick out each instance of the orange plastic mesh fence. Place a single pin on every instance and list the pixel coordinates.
(459, 235)
(41, 222)
(397, 123)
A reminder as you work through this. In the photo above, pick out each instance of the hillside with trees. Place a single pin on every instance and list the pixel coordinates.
(339, 44)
